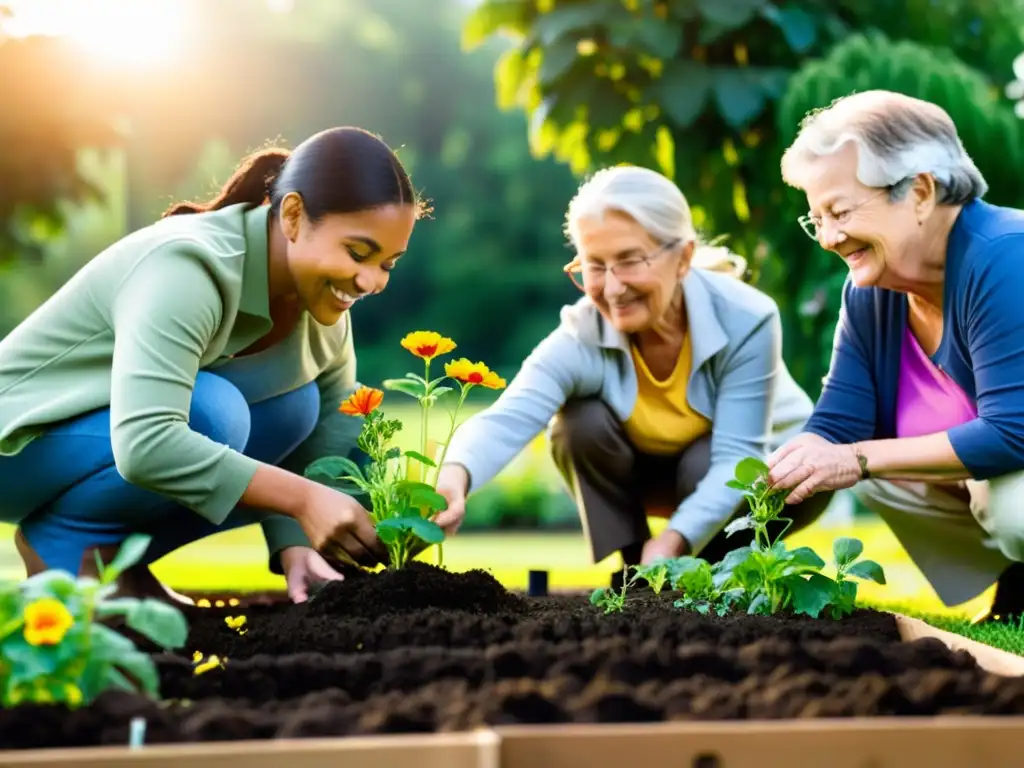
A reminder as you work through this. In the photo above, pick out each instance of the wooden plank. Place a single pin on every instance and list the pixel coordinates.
(475, 749)
(994, 660)
(940, 742)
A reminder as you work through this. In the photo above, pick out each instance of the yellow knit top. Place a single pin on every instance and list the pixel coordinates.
(662, 421)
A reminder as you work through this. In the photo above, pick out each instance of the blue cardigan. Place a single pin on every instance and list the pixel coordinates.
(982, 347)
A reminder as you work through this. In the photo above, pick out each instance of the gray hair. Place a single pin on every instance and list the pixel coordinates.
(897, 138)
(656, 204)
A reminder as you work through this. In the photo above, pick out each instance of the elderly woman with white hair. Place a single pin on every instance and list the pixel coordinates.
(663, 376)
(922, 411)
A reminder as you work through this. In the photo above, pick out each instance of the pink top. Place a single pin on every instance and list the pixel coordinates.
(927, 400)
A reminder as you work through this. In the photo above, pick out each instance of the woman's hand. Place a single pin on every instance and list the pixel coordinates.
(304, 568)
(452, 482)
(808, 464)
(668, 544)
(337, 523)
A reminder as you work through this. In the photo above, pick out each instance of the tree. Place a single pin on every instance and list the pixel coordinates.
(692, 87)
(52, 110)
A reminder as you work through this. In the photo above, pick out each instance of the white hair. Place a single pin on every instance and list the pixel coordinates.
(897, 137)
(656, 204)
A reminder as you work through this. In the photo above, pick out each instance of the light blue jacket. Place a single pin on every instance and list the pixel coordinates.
(738, 381)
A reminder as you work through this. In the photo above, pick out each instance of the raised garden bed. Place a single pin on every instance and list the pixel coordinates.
(423, 650)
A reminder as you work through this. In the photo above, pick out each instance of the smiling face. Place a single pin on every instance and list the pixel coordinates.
(640, 291)
(875, 237)
(343, 257)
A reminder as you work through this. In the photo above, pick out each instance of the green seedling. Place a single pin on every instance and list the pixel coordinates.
(53, 648)
(613, 601)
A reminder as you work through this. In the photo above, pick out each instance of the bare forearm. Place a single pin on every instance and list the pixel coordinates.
(929, 458)
(276, 490)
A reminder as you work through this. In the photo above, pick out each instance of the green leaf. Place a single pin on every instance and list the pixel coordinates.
(121, 606)
(50, 583)
(438, 392)
(750, 470)
(569, 18)
(739, 94)
(131, 551)
(653, 35)
(161, 622)
(845, 550)
(421, 495)
(557, 59)
(867, 569)
(332, 468)
(729, 13)
(683, 90)
(108, 644)
(798, 26)
(405, 386)
(810, 595)
(141, 668)
(493, 16)
(427, 530)
(421, 458)
(28, 661)
(806, 557)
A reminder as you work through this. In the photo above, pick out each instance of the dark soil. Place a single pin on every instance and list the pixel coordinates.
(426, 650)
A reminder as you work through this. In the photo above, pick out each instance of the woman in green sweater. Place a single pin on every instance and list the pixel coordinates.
(178, 384)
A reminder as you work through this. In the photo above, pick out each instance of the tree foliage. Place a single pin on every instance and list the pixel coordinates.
(51, 110)
(696, 88)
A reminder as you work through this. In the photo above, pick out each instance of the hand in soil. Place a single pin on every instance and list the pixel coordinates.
(809, 464)
(304, 568)
(668, 544)
(337, 523)
(452, 482)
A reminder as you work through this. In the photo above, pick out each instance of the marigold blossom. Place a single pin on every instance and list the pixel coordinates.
(474, 373)
(427, 345)
(362, 402)
(47, 620)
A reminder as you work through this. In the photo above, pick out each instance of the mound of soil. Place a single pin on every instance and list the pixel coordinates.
(429, 650)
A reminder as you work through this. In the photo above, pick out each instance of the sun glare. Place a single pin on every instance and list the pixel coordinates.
(128, 32)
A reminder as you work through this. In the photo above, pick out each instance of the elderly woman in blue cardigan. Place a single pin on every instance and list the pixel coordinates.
(662, 376)
(923, 407)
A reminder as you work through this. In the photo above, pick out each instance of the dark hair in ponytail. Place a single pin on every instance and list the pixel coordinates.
(340, 170)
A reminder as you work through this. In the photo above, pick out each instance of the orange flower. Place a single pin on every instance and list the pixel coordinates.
(473, 373)
(427, 344)
(362, 402)
(47, 620)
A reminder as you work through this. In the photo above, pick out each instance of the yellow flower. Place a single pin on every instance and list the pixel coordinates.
(211, 662)
(427, 344)
(233, 601)
(362, 402)
(47, 620)
(197, 657)
(203, 602)
(474, 373)
(235, 622)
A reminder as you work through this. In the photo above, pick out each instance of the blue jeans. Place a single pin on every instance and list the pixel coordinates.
(66, 494)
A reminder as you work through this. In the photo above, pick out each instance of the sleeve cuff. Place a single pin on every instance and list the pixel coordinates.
(280, 533)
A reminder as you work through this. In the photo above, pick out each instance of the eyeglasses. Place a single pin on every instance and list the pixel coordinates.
(812, 224)
(583, 272)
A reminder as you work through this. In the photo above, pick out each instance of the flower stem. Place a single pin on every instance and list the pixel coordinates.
(451, 430)
(424, 422)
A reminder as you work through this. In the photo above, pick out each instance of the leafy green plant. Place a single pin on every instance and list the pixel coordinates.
(611, 600)
(53, 648)
(402, 504)
(701, 585)
(656, 574)
(764, 577)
